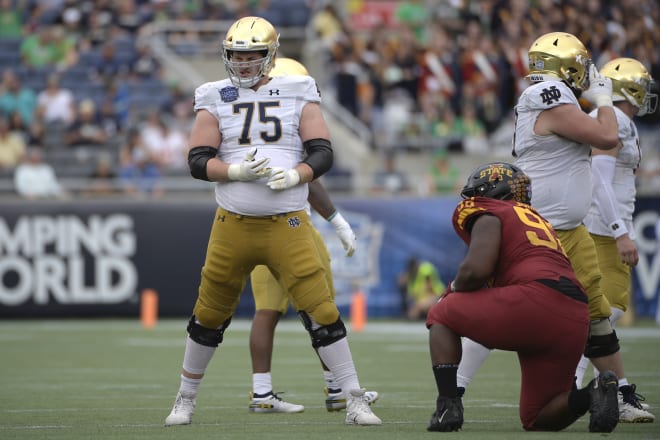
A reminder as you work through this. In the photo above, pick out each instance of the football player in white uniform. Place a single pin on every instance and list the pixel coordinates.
(271, 300)
(551, 144)
(610, 217)
(262, 140)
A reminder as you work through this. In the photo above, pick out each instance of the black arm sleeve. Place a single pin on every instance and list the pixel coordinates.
(197, 158)
(319, 155)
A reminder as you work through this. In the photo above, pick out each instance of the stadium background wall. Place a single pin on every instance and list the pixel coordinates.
(92, 259)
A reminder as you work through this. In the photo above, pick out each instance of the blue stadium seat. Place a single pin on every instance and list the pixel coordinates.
(88, 58)
(297, 12)
(79, 73)
(93, 91)
(297, 17)
(148, 86)
(124, 44)
(9, 60)
(33, 78)
(10, 45)
(49, 16)
(275, 14)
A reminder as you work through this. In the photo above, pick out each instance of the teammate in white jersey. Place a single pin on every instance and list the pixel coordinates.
(610, 217)
(262, 140)
(271, 299)
(551, 144)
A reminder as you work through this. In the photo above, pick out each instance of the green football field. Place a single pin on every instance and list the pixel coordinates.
(101, 379)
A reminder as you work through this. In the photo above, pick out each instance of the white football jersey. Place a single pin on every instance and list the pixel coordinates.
(560, 169)
(627, 161)
(268, 119)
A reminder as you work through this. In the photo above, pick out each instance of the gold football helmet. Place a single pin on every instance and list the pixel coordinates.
(631, 82)
(559, 55)
(288, 66)
(250, 34)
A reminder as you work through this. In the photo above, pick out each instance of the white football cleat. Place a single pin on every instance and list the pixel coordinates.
(631, 408)
(358, 411)
(272, 404)
(336, 401)
(182, 411)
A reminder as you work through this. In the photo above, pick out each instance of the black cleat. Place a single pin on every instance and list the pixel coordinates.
(604, 406)
(448, 415)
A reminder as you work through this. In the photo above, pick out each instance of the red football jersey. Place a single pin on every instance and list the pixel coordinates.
(530, 249)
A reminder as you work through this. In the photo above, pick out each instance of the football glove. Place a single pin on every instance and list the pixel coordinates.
(250, 169)
(344, 232)
(281, 178)
(599, 92)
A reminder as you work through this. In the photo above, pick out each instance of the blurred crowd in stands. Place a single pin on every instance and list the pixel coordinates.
(445, 75)
(78, 83)
(452, 74)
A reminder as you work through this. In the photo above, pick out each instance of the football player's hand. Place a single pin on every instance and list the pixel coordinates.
(249, 169)
(599, 92)
(627, 250)
(281, 178)
(344, 232)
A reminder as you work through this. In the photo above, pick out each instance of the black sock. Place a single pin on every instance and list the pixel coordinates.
(445, 379)
(262, 395)
(579, 401)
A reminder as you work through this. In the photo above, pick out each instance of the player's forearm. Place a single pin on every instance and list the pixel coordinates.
(467, 279)
(320, 200)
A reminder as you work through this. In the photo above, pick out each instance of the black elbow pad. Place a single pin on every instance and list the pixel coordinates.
(197, 158)
(319, 155)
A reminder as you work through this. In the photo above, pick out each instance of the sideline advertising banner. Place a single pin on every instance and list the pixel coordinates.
(93, 259)
(646, 275)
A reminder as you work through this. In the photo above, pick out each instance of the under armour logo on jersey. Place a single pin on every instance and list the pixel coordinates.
(551, 94)
(274, 92)
(294, 222)
(228, 94)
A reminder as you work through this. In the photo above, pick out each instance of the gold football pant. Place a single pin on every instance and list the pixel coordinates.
(269, 294)
(284, 243)
(581, 251)
(615, 282)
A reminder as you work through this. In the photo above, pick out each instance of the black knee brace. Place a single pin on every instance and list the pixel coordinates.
(326, 334)
(601, 345)
(206, 336)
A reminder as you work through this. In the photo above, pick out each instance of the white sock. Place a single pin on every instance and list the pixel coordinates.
(189, 386)
(330, 381)
(337, 357)
(580, 370)
(262, 383)
(197, 357)
(616, 315)
(474, 355)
